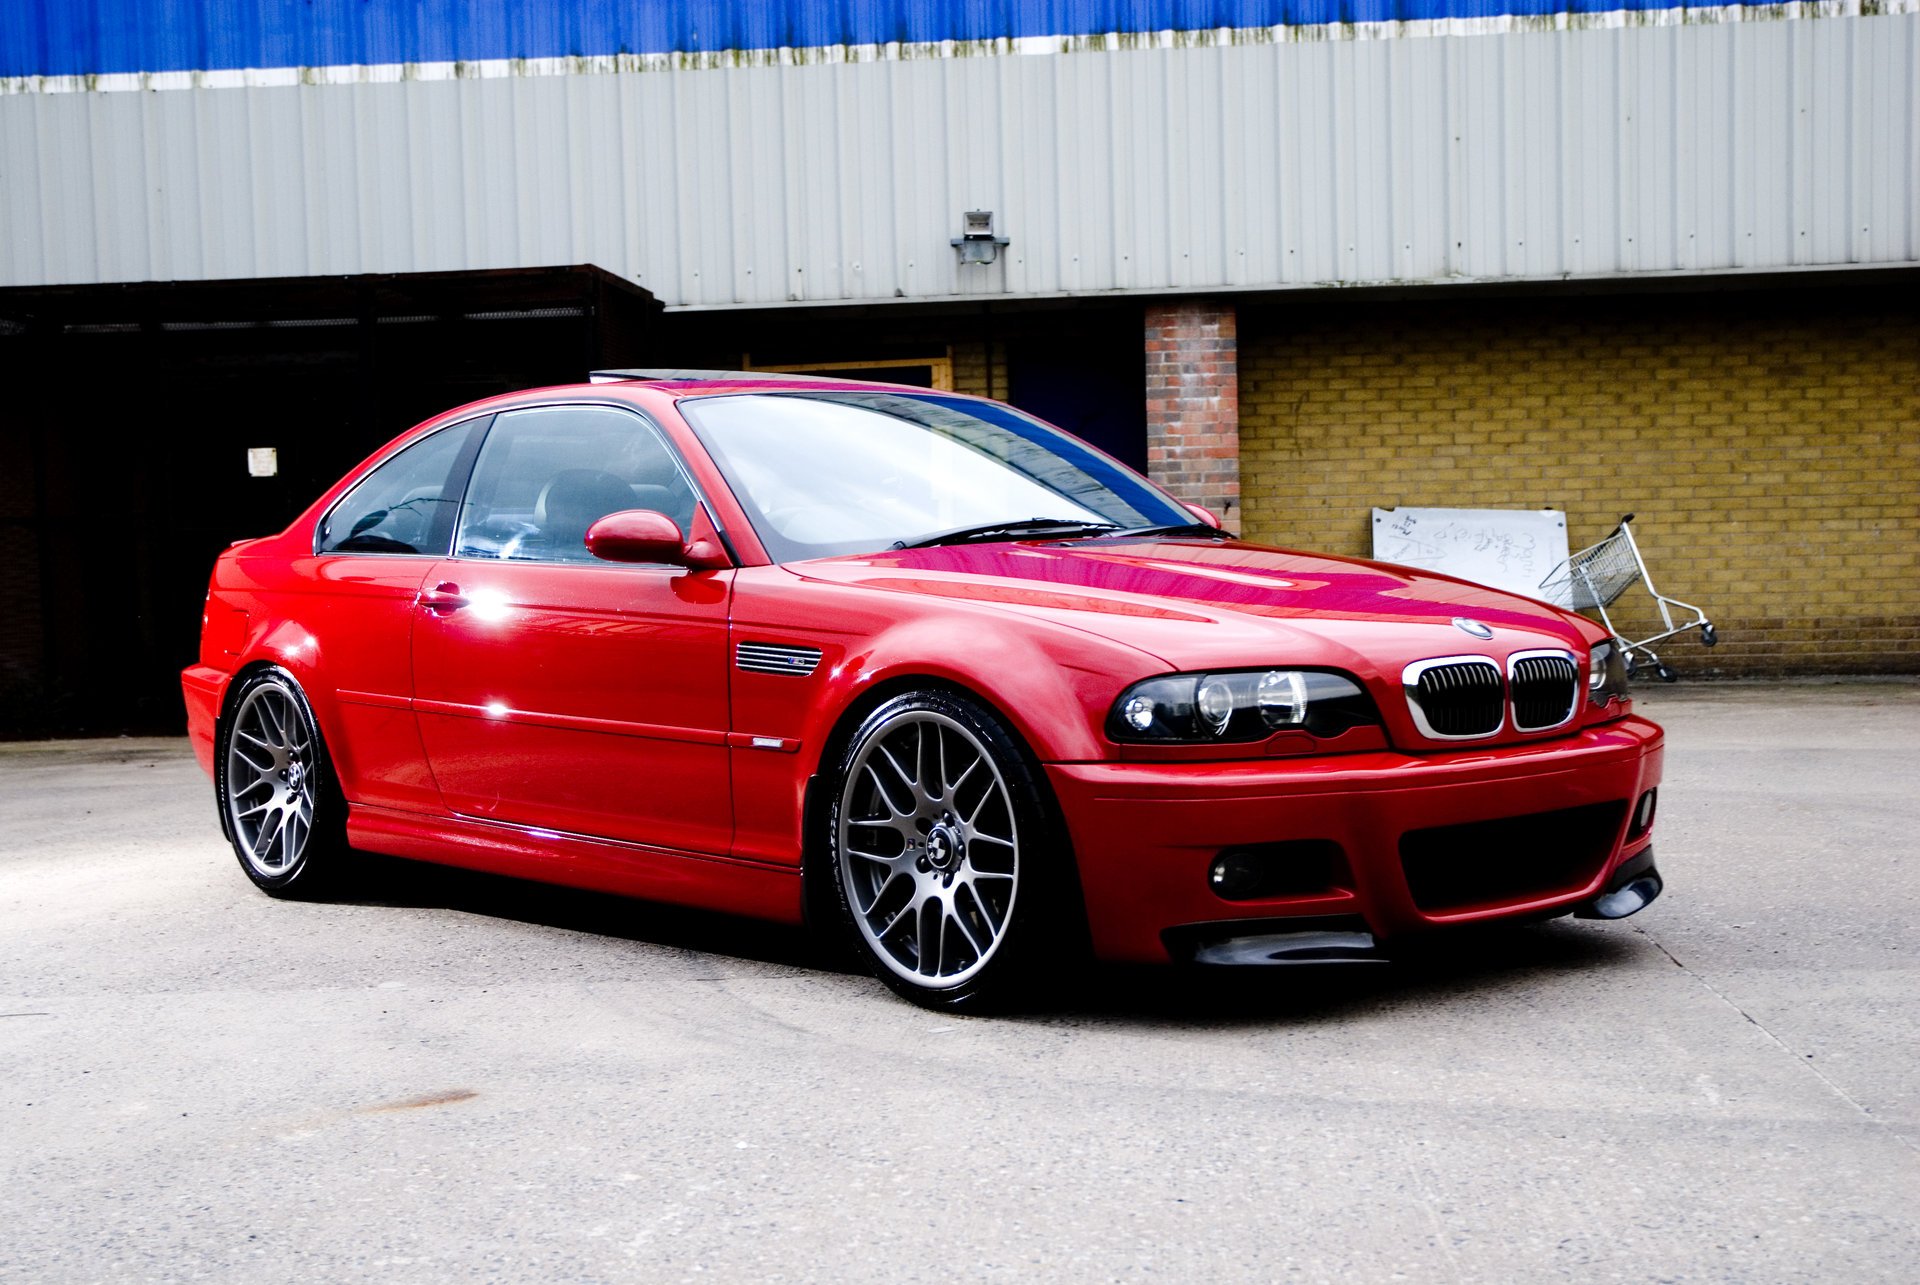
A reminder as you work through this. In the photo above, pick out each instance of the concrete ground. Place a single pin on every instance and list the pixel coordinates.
(469, 1078)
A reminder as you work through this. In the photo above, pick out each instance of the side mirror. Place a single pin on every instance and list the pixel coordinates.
(636, 535)
(642, 535)
(1205, 514)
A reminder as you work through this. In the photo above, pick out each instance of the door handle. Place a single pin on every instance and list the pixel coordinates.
(443, 597)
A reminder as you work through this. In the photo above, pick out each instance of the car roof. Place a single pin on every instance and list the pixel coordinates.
(690, 383)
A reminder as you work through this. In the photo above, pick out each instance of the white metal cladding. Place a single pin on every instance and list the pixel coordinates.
(1724, 146)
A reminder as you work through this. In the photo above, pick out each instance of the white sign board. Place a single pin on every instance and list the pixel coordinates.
(1511, 549)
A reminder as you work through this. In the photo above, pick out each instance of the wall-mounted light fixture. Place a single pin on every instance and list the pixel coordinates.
(977, 243)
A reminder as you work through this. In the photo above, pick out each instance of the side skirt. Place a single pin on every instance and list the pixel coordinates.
(576, 861)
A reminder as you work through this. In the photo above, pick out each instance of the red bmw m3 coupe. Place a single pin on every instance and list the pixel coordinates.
(912, 666)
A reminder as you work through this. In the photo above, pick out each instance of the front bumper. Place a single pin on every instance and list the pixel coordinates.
(1424, 840)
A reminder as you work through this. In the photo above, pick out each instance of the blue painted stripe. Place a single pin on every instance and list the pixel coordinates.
(105, 37)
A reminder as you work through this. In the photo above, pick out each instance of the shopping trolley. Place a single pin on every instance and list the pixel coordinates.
(1596, 576)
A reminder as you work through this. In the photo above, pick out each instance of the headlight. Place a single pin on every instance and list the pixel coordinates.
(1606, 674)
(1240, 705)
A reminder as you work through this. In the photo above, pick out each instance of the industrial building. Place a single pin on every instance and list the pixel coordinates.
(1297, 259)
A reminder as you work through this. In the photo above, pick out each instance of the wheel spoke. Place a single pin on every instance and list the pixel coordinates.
(297, 737)
(926, 754)
(285, 715)
(995, 918)
(960, 919)
(895, 813)
(269, 723)
(894, 763)
(932, 916)
(901, 862)
(886, 797)
(911, 906)
(268, 832)
(248, 759)
(278, 845)
(880, 887)
(953, 791)
(887, 860)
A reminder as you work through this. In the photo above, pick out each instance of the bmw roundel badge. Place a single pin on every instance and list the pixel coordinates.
(1467, 625)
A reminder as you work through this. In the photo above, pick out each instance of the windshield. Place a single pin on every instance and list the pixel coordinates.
(823, 474)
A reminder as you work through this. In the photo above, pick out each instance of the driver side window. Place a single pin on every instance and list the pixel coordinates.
(547, 474)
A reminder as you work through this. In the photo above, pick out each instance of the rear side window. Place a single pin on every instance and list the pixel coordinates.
(546, 474)
(408, 503)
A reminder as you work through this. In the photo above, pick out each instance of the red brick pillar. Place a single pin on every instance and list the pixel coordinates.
(1193, 404)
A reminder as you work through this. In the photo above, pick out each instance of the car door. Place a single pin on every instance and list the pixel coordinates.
(558, 691)
(355, 601)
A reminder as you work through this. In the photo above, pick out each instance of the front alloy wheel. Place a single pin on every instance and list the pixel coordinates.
(934, 821)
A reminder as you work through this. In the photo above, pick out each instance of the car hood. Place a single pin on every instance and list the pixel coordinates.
(1199, 604)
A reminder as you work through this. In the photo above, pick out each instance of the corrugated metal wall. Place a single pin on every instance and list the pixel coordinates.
(1534, 155)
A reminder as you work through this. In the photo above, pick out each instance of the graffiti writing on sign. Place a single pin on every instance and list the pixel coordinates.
(1511, 549)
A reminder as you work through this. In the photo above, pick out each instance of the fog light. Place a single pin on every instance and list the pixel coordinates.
(1235, 875)
(1643, 814)
(1290, 868)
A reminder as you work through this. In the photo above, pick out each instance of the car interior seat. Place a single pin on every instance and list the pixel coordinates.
(573, 500)
(658, 485)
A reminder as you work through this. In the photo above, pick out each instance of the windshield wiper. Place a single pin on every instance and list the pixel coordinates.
(1179, 529)
(1061, 527)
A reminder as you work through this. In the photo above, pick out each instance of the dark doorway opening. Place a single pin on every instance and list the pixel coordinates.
(132, 412)
(1088, 375)
(1080, 364)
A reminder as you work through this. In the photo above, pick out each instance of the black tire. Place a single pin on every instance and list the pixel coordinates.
(280, 802)
(961, 898)
(1709, 635)
(1668, 674)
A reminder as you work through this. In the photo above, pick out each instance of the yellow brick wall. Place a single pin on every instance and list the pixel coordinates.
(1770, 445)
(980, 369)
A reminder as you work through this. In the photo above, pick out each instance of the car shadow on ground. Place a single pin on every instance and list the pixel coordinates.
(1461, 963)
(394, 881)
(1470, 962)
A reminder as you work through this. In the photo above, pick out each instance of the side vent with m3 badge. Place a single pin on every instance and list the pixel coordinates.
(776, 658)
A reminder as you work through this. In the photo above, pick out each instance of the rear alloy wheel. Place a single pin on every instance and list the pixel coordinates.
(935, 825)
(276, 789)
